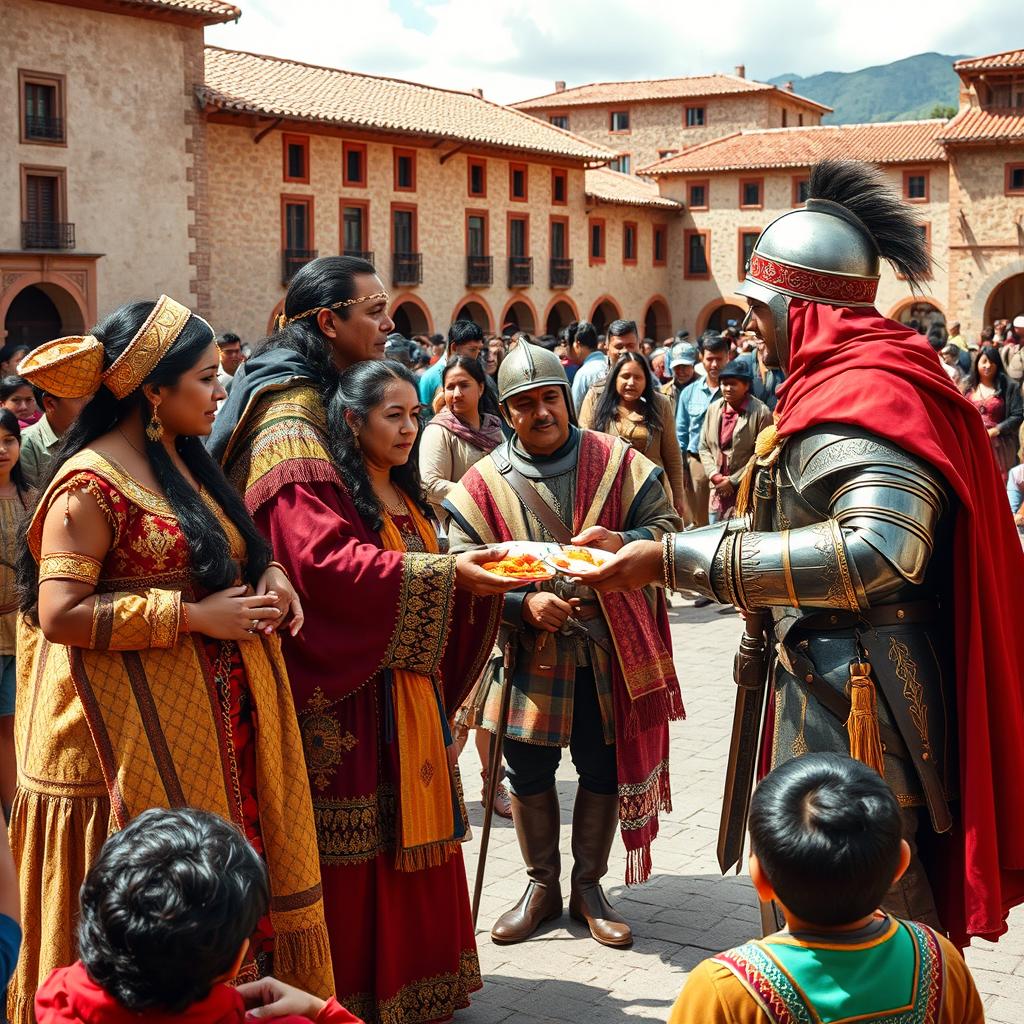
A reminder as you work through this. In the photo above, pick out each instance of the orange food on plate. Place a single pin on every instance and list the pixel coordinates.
(568, 555)
(520, 567)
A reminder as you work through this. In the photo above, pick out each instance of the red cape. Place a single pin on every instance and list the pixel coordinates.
(856, 367)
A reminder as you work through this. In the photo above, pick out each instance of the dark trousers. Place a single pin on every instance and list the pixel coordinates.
(532, 767)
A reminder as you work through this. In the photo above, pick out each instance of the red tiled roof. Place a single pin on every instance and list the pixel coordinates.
(973, 124)
(209, 12)
(690, 87)
(1009, 59)
(273, 86)
(612, 187)
(882, 143)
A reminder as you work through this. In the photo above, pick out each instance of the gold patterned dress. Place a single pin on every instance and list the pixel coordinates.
(147, 716)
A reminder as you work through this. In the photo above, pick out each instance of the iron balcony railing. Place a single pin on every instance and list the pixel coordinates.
(560, 272)
(361, 254)
(49, 129)
(292, 260)
(479, 270)
(44, 234)
(406, 268)
(520, 271)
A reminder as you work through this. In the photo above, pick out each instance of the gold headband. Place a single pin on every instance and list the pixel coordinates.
(72, 367)
(283, 321)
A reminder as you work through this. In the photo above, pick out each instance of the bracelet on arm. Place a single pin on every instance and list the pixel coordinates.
(69, 565)
(280, 568)
(668, 562)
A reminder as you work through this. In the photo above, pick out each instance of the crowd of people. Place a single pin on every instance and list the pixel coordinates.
(246, 626)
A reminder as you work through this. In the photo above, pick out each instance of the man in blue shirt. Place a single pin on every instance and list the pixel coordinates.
(693, 406)
(593, 364)
(465, 338)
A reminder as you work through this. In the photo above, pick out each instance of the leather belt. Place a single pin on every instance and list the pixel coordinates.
(881, 615)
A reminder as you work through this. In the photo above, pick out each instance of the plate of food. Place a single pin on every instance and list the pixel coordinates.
(577, 561)
(524, 560)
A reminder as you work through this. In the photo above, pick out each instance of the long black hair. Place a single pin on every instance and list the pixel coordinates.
(9, 422)
(11, 384)
(608, 403)
(212, 565)
(992, 354)
(361, 389)
(473, 367)
(321, 282)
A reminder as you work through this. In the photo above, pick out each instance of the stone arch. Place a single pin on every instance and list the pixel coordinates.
(411, 315)
(923, 308)
(1007, 299)
(604, 310)
(474, 307)
(34, 309)
(707, 316)
(984, 293)
(519, 310)
(561, 311)
(657, 322)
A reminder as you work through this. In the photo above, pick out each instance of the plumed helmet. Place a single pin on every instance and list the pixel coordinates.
(527, 367)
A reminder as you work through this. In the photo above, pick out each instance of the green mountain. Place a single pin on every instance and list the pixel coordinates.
(904, 90)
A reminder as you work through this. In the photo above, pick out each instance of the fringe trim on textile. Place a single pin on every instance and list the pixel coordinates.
(665, 791)
(305, 471)
(638, 865)
(419, 858)
(653, 710)
(302, 954)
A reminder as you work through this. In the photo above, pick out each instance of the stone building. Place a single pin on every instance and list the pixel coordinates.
(642, 122)
(102, 159)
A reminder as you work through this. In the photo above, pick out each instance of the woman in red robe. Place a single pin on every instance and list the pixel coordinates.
(392, 639)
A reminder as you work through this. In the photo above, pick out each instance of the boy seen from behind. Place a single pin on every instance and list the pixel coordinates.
(826, 845)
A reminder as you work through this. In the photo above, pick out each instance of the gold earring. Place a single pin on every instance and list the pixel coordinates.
(155, 429)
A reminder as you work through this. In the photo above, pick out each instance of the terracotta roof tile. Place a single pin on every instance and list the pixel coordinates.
(249, 82)
(976, 125)
(210, 12)
(690, 87)
(1009, 59)
(888, 142)
(612, 187)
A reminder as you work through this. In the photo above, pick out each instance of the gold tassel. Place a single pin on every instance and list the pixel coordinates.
(862, 725)
(767, 441)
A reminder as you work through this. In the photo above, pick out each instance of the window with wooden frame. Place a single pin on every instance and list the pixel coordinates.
(355, 227)
(404, 229)
(698, 194)
(659, 245)
(295, 153)
(1014, 179)
(478, 235)
(596, 236)
(518, 182)
(800, 184)
(694, 117)
(44, 196)
(751, 193)
(800, 120)
(519, 234)
(630, 233)
(353, 165)
(916, 186)
(618, 121)
(559, 121)
(42, 100)
(297, 224)
(559, 238)
(476, 174)
(747, 239)
(621, 163)
(698, 254)
(405, 170)
(559, 187)
(785, 118)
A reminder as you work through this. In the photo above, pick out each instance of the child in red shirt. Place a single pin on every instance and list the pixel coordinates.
(166, 915)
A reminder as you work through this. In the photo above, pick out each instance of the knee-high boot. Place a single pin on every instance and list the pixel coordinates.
(595, 819)
(537, 821)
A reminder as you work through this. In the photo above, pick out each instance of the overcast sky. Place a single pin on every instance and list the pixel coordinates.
(515, 49)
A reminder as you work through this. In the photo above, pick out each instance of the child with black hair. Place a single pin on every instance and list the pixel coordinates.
(166, 914)
(826, 844)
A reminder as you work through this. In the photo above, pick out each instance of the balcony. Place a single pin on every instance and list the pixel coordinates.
(292, 260)
(44, 129)
(479, 270)
(406, 268)
(560, 272)
(520, 271)
(44, 234)
(360, 254)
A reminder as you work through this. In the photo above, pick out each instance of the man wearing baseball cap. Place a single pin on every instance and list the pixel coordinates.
(681, 363)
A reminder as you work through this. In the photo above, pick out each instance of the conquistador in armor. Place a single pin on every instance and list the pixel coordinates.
(872, 541)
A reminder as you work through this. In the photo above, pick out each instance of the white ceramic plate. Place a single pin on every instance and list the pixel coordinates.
(576, 566)
(528, 547)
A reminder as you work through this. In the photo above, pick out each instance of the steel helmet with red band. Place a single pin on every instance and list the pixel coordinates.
(830, 250)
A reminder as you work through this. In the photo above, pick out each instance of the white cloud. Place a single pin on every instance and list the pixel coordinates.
(517, 48)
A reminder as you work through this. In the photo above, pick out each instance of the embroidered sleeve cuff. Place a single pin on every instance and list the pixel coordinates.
(424, 613)
(69, 565)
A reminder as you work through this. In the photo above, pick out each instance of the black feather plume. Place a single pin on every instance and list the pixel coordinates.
(870, 197)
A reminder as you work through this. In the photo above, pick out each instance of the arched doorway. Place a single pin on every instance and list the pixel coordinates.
(560, 315)
(41, 312)
(604, 312)
(519, 315)
(920, 312)
(410, 318)
(720, 317)
(657, 320)
(1007, 301)
(475, 310)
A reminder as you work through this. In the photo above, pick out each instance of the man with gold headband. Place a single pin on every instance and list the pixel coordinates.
(149, 669)
(393, 632)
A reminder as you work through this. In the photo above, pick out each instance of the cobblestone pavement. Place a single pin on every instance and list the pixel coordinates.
(687, 910)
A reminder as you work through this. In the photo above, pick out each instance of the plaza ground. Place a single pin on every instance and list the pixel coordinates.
(687, 910)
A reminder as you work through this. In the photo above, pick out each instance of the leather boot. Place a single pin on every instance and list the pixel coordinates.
(537, 820)
(595, 819)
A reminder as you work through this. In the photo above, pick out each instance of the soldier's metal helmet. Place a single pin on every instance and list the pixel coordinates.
(830, 249)
(529, 366)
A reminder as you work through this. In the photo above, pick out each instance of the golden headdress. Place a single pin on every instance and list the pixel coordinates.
(73, 367)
